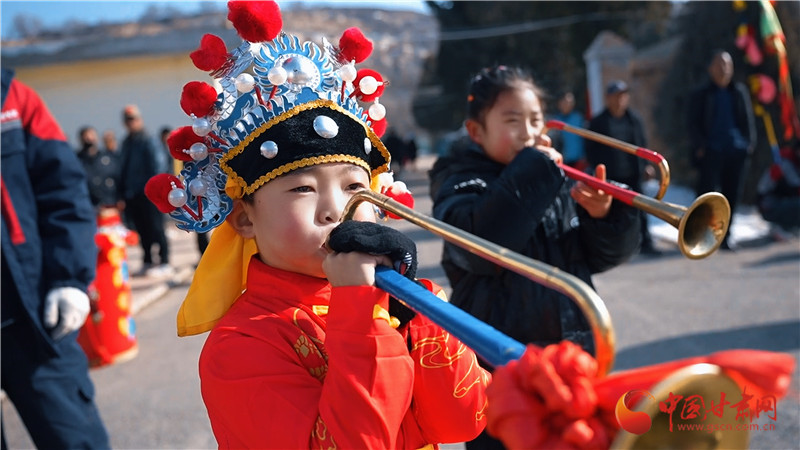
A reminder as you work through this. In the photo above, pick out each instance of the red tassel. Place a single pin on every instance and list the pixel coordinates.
(255, 21)
(260, 99)
(216, 138)
(354, 46)
(211, 55)
(181, 139)
(198, 98)
(157, 190)
(531, 406)
(764, 373)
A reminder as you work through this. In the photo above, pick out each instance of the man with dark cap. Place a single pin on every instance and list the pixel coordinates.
(619, 121)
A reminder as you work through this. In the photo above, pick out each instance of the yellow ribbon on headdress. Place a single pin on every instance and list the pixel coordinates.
(218, 280)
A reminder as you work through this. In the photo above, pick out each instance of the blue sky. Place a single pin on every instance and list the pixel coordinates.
(56, 13)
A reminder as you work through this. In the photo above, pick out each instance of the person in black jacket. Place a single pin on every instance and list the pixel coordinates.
(102, 169)
(140, 159)
(722, 133)
(503, 184)
(48, 260)
(619, 121)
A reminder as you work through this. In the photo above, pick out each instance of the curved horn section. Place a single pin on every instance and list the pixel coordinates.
(640, 152)
(585, 297)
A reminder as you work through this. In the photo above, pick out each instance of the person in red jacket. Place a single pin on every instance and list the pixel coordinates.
(304, 351)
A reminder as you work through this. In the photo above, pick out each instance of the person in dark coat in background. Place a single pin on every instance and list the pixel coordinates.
(620, 122)
(102, 169)
(140, 159)
(397, 148)
(48, 261)
(502, 184)
(110, 143)
(722, 133)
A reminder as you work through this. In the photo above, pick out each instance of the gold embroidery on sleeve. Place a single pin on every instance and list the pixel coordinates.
(310, 351)
(481, 413)
(434, 353)
(321, 437)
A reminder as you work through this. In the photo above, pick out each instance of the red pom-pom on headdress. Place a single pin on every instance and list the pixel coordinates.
(363, 73)
(255, 21)
(157, 190)
(379, 127)
(399, 192)
(181, 139)
(354, 46)
(211, 55)
(198, 98)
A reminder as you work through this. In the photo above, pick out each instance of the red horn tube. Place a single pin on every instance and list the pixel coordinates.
(641, 152)
(701, 226)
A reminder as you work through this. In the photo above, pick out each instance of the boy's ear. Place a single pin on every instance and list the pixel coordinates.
(240, 220)
(475, 130)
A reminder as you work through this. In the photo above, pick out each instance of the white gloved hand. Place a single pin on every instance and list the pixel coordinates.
(65, 310)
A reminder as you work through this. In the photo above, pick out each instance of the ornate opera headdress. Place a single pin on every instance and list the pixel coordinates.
(299, 107)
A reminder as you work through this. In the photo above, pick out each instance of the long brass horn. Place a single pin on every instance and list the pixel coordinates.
(585, 297)
(497, 349)
(701, 226)
(640, 152)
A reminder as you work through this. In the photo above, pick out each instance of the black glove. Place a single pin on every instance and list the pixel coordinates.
(375, 239)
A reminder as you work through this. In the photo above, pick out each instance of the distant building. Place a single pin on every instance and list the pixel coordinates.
(611, 57)
(87, 78)
(607, 58)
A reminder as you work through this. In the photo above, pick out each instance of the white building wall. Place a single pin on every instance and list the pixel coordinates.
(95, 92)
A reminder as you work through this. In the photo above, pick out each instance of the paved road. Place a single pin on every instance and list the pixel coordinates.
(662, 309)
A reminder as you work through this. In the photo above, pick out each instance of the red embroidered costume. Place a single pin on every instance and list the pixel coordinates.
(294, 362)
(266, 380)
